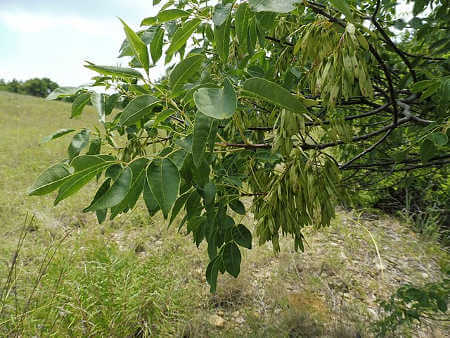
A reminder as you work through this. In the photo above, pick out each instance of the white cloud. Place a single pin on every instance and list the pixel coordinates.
(24, 22)
(55, 46)
(49, 38)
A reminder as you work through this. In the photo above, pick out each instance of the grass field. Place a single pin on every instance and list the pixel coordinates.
(135, 277)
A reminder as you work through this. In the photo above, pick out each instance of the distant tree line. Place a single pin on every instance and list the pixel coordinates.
(35, 87)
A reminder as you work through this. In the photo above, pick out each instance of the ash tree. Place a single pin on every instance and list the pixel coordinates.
(289, 106)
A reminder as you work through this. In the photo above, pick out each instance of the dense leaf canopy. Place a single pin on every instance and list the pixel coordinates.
(280, 108)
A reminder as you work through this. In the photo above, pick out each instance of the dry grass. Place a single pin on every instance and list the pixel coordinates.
(134, 276)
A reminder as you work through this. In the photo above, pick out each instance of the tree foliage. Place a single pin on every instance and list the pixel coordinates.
(278, 108)
(35, 87)
(411, 304)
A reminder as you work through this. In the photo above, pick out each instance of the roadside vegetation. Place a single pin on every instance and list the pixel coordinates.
(63, 274)
(34, 87)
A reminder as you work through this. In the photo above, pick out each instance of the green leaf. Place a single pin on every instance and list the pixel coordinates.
(79, 141)
(203, 127)
(162, 116)
(138, 168)
(171, 14)
(342, 6)
(196, 226)
(100, 192)
(114, 171)
(422, 85)
(252, 36)
(232, 259)
(399, 156)
(222, 40)
(164, 181)
(164, 16)
(101, 214)
(277, 6)
(156, 45)
(182, 35)
(209, 193)
(242, 236)
(427, 150)
(138, 46)
(241, 23)
(444, 90)
(201, 173)
(212, 272)
(275, 94)
(94, 147)
(431, 90)
(150, 200)
(111, 102)
(79, 103)
(116, 193)
(150, 21)
(221, 13)
(400, 24)
(266, 20)
(179, 203)
(87, 167)
(442, 303)
(136, 109)
(237, 206)
(184, 70)
(419, 6)
(178, 157)
(49, 180)
(120, 72)
(56, 134)
(439, 139)
(215, 102)
(84, 162)
(63, 92)
(98, 100)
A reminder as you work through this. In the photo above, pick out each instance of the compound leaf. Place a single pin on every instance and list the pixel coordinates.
(218, 103)
(274, 93)
(137, 108)
(232, 259)
(164, 181)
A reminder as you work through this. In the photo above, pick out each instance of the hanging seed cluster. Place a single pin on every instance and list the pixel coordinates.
(290, 125)
(340, 129)
(338, 60)
(305, 193)
(135, 147)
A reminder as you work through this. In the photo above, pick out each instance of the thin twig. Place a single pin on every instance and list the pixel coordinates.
(368, 150)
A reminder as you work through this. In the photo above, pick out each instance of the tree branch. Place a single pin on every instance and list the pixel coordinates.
(357, 138)
(368, 150)
(270, 38)
(316, 8)
(426, 165)
(397, 50)
(389, 79)
(245, 145)
(347, 118)
(308, 146)
(375, 166)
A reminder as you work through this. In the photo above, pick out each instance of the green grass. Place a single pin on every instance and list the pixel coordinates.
(95, 284)
(135, 277)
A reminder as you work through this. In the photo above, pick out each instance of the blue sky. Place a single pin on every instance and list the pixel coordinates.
(52, 38)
